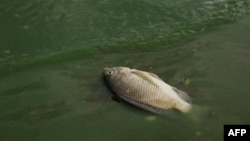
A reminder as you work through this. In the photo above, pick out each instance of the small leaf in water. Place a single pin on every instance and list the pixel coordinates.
(186, 82)
(150, 118)
(198, 133)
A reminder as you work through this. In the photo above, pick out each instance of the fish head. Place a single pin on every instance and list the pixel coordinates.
(109, 72)
(111, 75)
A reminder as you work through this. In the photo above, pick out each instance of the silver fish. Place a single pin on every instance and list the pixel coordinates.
(145, 90)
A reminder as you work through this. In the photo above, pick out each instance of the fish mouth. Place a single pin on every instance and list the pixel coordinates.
(104, 71)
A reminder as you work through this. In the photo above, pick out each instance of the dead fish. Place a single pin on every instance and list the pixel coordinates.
(145, 90)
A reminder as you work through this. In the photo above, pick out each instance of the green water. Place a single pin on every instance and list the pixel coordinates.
(52, 54)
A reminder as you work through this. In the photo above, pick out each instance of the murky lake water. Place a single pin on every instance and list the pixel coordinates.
(52, 54)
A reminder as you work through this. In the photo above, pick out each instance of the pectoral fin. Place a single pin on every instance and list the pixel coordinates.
(116, 99)
(142, 105)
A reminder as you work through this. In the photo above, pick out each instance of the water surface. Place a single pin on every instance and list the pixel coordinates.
(52, 54)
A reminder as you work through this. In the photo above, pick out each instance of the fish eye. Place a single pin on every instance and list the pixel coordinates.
(110, 72)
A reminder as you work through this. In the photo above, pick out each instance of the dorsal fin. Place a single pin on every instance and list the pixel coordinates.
(144, 76)
(154, 75)
(183, 95)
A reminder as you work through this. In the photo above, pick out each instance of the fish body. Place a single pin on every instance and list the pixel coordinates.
(145, 90)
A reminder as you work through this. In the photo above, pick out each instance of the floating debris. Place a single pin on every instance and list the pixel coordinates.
(26, 27)
(150, 118)
(6, 52)
(186, 82)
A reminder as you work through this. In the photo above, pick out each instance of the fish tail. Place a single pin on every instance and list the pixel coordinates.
(184, 107)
